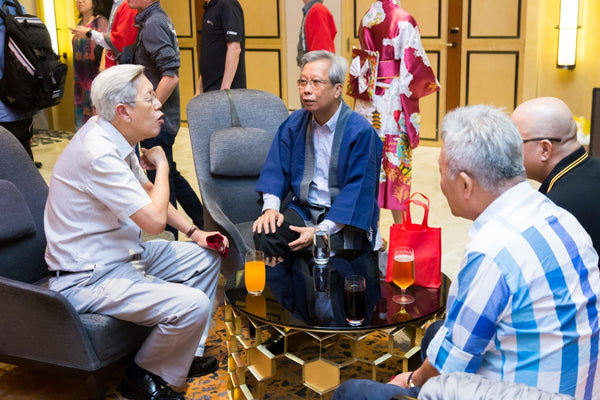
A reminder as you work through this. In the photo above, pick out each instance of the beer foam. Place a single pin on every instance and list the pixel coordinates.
(403, 257)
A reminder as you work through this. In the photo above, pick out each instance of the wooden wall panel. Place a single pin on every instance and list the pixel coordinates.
(492, 78)
(261, 18)
(427, 13)
(187, 79)
(181, 13)
(494, 19)
(263, 70)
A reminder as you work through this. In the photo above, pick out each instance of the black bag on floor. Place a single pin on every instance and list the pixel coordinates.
(34, 78)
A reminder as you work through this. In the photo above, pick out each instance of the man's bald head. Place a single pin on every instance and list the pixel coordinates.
(545, 118)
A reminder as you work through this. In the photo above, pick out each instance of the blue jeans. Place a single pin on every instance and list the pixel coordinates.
(365, 389)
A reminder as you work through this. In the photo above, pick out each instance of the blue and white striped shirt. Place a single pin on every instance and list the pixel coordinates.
(524, 307)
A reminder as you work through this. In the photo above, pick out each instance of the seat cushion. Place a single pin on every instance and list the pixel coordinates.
(16, 220)
(239, 151)
(113, 338)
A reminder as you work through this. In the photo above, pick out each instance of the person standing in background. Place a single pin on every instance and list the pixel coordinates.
(19, 123)
(121, 32)
(87, 56)
(553, 157)
(158, 51)
(317, 30)
(222, 49)
(404, 75)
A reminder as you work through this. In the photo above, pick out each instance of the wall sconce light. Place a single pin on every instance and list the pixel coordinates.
(567, 33)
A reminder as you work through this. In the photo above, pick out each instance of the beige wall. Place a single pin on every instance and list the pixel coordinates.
(542, 78)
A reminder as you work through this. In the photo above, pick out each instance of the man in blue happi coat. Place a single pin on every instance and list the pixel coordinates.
(326, 158)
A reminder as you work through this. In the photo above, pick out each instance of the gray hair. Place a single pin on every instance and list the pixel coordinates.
(482, 141)
(338, 66)
(115, 85)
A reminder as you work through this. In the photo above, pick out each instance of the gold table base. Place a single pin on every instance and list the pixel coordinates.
(321, 372)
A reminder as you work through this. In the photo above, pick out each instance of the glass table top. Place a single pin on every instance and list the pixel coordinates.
(299, 294)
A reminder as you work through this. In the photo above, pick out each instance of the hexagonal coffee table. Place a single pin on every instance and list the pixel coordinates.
(304, 307)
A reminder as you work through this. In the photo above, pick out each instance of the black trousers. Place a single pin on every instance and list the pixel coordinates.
(21, 129)
(276, 243)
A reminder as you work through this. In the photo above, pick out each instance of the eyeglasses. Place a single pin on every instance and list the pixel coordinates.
(151, 100)
(315, 83)
(542, 138)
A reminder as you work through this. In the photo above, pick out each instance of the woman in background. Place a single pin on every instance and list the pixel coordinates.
(86, 59)
(403, 76)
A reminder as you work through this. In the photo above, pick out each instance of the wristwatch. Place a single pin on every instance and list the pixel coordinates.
(410, 381)
(88, 34)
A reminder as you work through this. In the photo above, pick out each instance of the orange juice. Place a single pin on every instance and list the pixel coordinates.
(255, 276)
(403, 272)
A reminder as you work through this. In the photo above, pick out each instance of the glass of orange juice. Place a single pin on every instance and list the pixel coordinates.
(254, 271)
(403, 273)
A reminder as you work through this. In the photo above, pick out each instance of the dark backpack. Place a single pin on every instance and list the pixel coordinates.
(34, 78)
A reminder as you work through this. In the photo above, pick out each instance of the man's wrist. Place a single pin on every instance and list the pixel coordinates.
(410, 382)
(191, 231)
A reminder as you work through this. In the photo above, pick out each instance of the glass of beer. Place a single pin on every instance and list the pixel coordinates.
(403, 273)
(355, 299)
(254, 272)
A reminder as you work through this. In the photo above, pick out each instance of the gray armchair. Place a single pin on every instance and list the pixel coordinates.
(229, 159)
(461, 385)
(40, 328)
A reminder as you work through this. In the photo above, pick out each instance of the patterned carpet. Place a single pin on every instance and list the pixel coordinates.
(18, 383)
(45, 136)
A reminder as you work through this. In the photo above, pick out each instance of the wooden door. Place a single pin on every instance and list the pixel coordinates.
(493, 43)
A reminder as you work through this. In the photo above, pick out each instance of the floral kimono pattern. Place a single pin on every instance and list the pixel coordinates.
(404, 75)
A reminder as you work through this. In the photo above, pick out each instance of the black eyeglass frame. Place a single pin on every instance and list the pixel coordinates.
(542, 138)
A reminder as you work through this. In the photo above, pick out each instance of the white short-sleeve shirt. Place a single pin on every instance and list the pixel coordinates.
(96, 185)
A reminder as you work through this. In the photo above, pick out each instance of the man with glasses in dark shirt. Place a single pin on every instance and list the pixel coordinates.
(553, 156)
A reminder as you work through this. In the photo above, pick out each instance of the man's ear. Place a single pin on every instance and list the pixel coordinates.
(545, 150)
(122, 112)
(467, 184)
(337, 90)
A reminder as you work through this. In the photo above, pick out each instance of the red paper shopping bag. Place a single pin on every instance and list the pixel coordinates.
(425, 240)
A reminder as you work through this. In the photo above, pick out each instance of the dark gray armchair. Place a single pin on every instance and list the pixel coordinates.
(228, 161)
(40, 328)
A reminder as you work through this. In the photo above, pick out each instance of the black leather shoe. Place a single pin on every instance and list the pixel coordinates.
(275, 344)
(202, 366)
(139, 384)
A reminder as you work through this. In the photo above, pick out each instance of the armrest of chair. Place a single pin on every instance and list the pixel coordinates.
(211, 203)
(40, 325)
